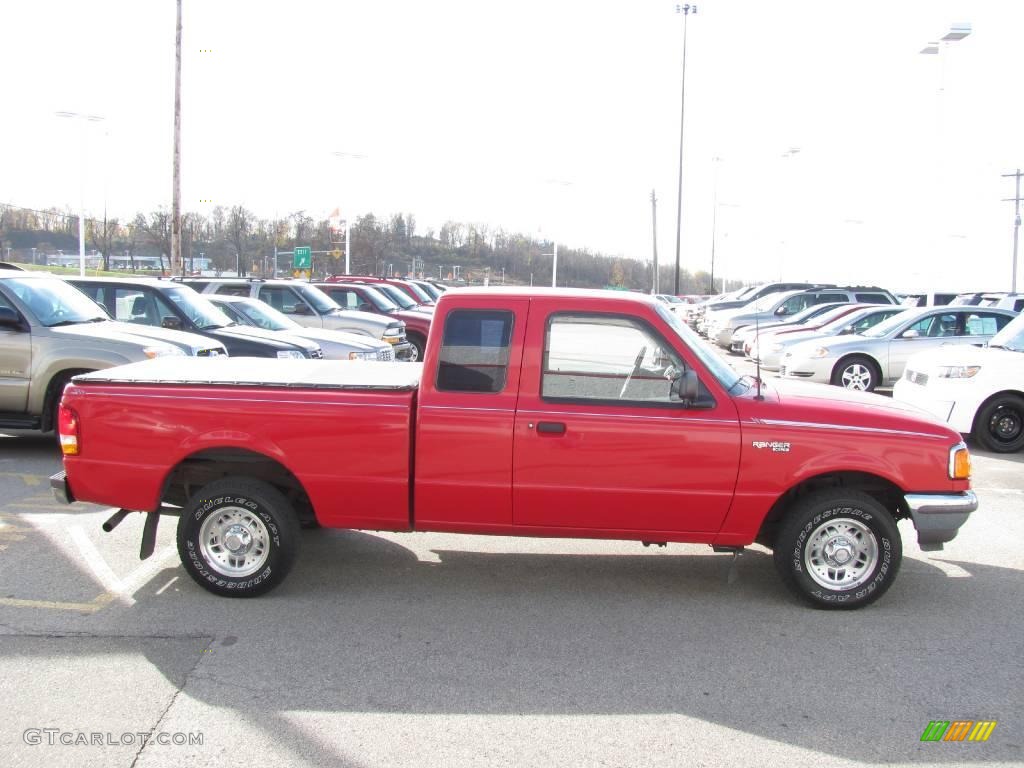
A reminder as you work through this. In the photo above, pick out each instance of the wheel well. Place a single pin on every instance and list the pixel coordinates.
(51, 399)
(885, 492)
(989, 399)
(199, 469)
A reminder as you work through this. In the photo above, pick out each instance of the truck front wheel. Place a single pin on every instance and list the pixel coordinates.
(238, 537)
(838, 549)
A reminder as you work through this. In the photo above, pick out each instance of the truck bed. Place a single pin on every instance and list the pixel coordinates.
(343, 429)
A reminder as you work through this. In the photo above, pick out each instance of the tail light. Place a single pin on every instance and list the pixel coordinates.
(67, 428)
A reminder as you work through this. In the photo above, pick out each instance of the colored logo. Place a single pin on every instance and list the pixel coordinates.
(959, 730)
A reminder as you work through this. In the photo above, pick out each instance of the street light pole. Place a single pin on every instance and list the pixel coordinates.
(176, 261)
(685, 10)
(81, 183)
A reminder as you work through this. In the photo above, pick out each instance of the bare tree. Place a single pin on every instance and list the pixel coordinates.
(239, 226)
(158, 229)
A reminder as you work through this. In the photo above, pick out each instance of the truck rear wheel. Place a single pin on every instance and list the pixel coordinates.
(838, 549)
(238, 537)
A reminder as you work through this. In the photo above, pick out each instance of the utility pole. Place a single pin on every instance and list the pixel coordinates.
(1016, 223)
(654, 240)
(176, 263)
(554, 265)
(685, 10)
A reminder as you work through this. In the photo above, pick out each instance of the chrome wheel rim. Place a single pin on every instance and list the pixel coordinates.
(841, 554)
(1006, 424)
(234, 542)
(414, 354)
(857, 377)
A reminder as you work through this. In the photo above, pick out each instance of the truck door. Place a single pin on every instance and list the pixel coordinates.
(15, 362)
(466, 414)
(601, 442)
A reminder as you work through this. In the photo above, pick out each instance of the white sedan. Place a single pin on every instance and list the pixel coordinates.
(978, 390)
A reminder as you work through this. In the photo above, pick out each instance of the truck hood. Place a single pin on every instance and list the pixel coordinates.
(188, 341)
(798, 402)
(105, 333)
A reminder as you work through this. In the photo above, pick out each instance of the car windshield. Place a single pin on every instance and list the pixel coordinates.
(886, 327)
(764, 304)
(320, 301)
(379, 300)
(431, 290)
(670, 299)
(197, 308)
(420, 293)
(1012, 336)
(400, 297)
(55, 302)
(725, 375)
(264, 316)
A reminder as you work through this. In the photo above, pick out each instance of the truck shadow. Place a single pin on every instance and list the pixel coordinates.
(364, 626)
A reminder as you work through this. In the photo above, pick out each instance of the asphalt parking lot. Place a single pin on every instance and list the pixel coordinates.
(429, 649)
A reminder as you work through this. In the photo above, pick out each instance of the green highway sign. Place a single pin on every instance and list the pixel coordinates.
(302, 258)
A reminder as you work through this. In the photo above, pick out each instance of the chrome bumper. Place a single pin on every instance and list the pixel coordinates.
(938, 517)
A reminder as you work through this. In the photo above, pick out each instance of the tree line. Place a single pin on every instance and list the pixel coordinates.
(235, 240)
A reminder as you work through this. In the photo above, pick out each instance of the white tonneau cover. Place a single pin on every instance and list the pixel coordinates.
(259, 372)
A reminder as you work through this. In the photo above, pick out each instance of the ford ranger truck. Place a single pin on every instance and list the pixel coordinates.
(557, 413)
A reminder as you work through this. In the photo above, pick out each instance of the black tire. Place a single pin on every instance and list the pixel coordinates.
(999, 425)
(419, 346)
(265, 530)
(857, 372)
(54, 391)
(863, 537)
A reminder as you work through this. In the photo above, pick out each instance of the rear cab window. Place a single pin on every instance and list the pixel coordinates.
(474, 355)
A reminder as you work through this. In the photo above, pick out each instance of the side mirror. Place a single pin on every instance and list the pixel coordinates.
(301, 309)
(685, 388)
(781, 311)
(913, 333)
(363, 307)
(171, 322)
(846, 331)
(9, 318)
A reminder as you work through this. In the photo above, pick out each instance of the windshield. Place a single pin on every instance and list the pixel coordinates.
(1012, 336)
(725, 375)
(264, 316)
(885, 327)
(764, 304)
(379, 300)
(420, 293)
(55, 302)
(320, 301)
(670, 299)
(197, 308)
(400, 297)
(431, 290)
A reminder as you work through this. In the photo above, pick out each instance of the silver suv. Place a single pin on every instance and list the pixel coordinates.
(309, 306)
(51, 331)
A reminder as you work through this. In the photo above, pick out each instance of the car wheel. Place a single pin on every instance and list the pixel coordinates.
(858, 373)
(999, 425)
(838, 549)
(238, 537)
(418, 345)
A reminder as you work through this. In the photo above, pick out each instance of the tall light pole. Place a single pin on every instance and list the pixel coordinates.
(81, 191)
(686, 10)
(175, 254)
(348, 214)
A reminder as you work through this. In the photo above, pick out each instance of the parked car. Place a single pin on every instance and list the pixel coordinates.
(928, 299)
(970, 299)
(978, 391)
(770, 348)
(49, 332)
(1011, 301)
(166, 304)
(743, 336)
(743, 297)
(367, 297)
(878, 356)
(789, 303)
(336, 345)
(578, 414)
(309, 306)
(416, 293)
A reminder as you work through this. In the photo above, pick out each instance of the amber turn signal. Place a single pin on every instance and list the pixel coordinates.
(959, 462)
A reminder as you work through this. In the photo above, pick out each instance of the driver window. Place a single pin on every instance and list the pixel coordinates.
(589, 357)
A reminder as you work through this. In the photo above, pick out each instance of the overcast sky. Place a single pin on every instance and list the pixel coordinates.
(551, 115)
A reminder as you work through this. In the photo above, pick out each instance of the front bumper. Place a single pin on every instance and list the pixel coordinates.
(402, 350)
(938, 516)
(61, 489)
(808, 368)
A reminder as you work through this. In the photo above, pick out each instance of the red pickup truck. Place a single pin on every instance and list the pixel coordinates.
(535, 413)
